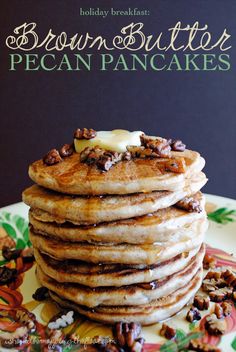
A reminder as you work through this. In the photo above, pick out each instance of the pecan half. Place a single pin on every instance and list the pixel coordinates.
(209, 262)
(230, 278)
(218, 311)
(7, 275)
(167, 331)
(41, 294)
(52, 157)
(201, 302)
(215, 326)
(66, 150)
(10, 253)
(85, 133)
(193, 314)
(223, 310)
(126, 333)
(213, 275)
(199, 346)
(158, 145)
(103, 159)
(190, 204)
(177, 145)
(221, 294)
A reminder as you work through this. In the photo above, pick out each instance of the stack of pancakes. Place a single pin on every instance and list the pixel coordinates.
(112, 245)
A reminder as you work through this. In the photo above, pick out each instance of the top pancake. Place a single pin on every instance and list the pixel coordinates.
(137, 175)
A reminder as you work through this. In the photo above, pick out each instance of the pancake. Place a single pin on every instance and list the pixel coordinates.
(155, 311)
(93, 210)
(137, 175)
(121, 253)
(134, 294)
(93, 275)
(164, 225)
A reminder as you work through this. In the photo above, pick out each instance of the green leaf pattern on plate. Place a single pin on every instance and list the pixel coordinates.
(222, 215)
(233, 344)
(17, 228)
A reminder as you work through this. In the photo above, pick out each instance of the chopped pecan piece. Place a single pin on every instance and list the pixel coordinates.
(167, 331)
(213, 275)
(230, 278)
(126, 334)
(157, 145)
(7, 275)
(177, 145)
(215, 326)
(52, 157)
(41, 294)
(234, 296)
(66, 150)
(209, 285)
(227, 308)
(209, 262)
(85, 133)
(176, 165)
(126, 156)
(199, 346)
(193, 314)
(103, 159)
(218, 311)
(189, 204)
(201, 302)
(10, 253)
(141, 152)
(221, 294)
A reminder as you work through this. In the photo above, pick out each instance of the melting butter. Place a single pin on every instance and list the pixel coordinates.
(116, 140)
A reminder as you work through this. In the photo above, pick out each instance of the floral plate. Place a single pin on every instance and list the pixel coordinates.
(220, 239)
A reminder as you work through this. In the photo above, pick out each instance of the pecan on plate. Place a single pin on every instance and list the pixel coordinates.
(209, 262)
(126, 334)
(215, 326)
(10, 253)
(190, 204)
(227, 308)
(193, 314)
(52, 157)
(41, 294)
(167, 331)
(201, 302)
(230, 278)
(7, 275)
(85, 133)
(221, 294)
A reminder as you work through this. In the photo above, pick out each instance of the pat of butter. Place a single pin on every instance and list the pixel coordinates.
(116, 140)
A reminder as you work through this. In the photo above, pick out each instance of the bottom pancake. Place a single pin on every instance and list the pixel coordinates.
(156, 311)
